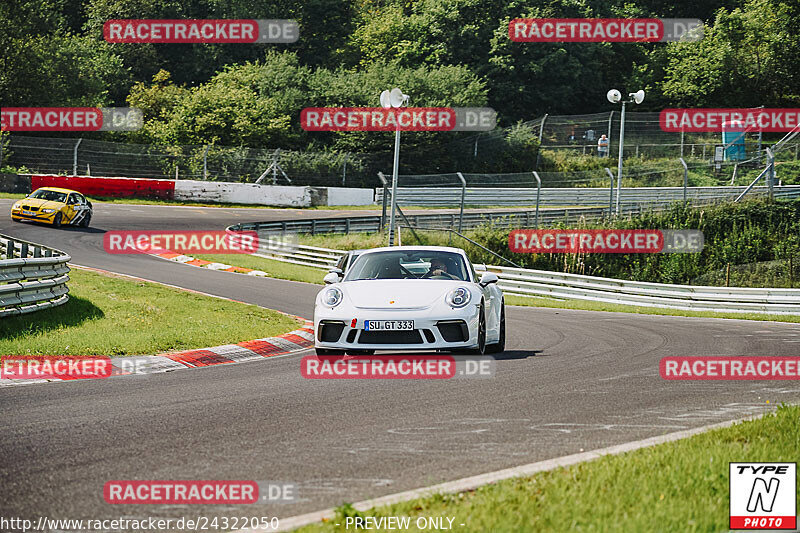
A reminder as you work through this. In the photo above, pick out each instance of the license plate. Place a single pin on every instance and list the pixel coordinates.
(388, 325)
(29, 213)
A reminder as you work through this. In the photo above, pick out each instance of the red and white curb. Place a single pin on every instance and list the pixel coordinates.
(294, 341)
(188, 260)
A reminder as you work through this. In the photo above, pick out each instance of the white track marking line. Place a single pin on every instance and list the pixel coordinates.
(473, 482)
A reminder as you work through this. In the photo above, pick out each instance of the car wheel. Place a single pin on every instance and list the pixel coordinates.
(328, 351)
(85, 222)
(481, 349)
(57, 220)
(500, 346)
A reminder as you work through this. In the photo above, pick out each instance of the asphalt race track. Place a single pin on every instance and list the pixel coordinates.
(570, 381)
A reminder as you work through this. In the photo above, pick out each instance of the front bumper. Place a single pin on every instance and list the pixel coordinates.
(434, 329)
(38, 217)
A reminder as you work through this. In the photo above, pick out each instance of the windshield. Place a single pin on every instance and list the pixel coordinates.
(53, 196)
(409, 264)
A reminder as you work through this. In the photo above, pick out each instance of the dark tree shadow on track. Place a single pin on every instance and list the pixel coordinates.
(72, 313)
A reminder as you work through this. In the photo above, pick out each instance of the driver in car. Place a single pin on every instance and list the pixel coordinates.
(438, 268)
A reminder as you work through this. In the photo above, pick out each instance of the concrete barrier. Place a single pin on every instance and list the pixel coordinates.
(108, 187)
(243, 193)
(350, 196)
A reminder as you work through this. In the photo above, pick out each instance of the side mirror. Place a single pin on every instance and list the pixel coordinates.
(486, 279)
(333, 276)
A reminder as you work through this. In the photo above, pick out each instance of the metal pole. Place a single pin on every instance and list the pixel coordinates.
(681, 142)
(610, 118)
(621, 148)
(538, 196)
(610, 192)
(685, 177)
(396, 168)
(205, 163)
(463, 197)
(75, 157)
(385, 198)
(541, 132)
(771, 174)
(344, 168)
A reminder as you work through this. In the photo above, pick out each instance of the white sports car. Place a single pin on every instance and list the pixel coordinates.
(410, 298)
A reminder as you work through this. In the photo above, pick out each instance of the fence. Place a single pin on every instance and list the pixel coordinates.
(32, 277)
(484, 152)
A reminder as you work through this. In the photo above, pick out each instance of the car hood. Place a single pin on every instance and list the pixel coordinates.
(41, 203)
(398, 293)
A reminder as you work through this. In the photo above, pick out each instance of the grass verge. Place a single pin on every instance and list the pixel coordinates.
(587, 305)
(275, 269)
(677, 486)
(113, 315)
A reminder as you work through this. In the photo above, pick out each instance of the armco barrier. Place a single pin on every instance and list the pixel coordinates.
(32, 277)
(594, 196)
(527, 282)
(541, 283)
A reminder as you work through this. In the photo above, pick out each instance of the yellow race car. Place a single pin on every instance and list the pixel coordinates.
(55, 206)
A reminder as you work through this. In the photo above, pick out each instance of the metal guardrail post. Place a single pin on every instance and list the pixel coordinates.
(538, 196)
(75, 157)
(463, 197)
(610, 192)
(685, 177)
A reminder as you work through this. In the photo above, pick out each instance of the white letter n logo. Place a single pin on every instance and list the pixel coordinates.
(763, 495)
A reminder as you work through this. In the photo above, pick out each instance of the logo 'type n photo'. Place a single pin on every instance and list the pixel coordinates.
(763, 495)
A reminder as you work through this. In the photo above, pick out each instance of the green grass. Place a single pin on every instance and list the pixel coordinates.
(588, 305)
(677, 486)
(275, 269)
(112, 315)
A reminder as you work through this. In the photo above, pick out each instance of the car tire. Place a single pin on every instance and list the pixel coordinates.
(328, 351)
(500, 345)
(481, 348)
(85, 222)
(57, 220)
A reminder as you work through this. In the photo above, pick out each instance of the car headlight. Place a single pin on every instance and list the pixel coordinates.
(48, 211)
(332, 297)
(458, 297)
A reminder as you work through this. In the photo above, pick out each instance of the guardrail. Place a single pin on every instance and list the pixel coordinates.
(590, 196)
(525, 282)
(32, 277)
(300, 254)
(541, 283)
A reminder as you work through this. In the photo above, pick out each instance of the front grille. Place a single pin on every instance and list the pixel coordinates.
(390, 337)
(30, 208)
(330, 331)
(453, 330)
